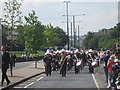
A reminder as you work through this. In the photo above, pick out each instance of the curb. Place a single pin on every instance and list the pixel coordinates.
(23, 80)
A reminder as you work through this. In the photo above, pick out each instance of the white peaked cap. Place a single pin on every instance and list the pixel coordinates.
(76, 51)
(47, 52)
(56, 51)
(67, 51)
(63, 50)
(90, 50)
(116, 60)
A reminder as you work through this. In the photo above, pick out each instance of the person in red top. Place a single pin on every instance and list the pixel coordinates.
(110, 72)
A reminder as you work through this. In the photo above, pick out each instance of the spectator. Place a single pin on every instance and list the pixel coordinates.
(110, 73)
(5, 64)
(13, 59)
(105, 60)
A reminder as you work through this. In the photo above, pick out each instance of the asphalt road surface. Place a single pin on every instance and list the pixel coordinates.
(72, 80)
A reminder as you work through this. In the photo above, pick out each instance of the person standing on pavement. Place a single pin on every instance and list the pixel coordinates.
(5, 64)
(110, 71)
(115, 69)
(105, 60)
(13, 59)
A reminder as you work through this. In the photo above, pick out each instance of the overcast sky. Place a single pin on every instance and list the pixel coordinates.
(99, 13)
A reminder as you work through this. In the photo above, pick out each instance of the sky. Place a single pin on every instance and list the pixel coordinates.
(99, 14)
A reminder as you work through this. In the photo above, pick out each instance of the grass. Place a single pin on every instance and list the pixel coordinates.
(19, 53)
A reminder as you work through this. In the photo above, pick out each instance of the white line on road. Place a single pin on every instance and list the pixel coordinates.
(28, 85)
(39, 79)
(95, 82)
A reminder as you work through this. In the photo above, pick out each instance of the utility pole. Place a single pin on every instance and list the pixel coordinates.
(74, 30)
(67, 21)
(71, 33)
(78, 35)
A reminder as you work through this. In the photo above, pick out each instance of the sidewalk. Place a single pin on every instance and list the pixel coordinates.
(100, 77)
(24, 73)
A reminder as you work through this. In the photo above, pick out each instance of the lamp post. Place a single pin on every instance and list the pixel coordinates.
(67, 20)
(74, 28)
(78, 35)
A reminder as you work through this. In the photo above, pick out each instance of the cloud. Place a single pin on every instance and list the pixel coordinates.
(103, 20)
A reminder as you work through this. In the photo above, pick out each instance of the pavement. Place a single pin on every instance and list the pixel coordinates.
(23, 74)
(100, 77)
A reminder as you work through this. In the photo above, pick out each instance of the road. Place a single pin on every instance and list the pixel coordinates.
(72, 80)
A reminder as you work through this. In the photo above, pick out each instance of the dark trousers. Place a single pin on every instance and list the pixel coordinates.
(48, 70)
(91, 69)
(4, 76)
(63, 71)
(106, 73)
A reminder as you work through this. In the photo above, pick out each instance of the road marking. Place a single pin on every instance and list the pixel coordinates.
(28, 85)
(39, 79)
(95, 82)
(17, 87)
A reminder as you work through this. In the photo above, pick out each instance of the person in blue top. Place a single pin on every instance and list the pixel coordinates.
(105, 60)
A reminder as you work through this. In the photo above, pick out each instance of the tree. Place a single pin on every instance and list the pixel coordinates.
(61, 37)
(12, 17)
(33, 33)
(49, 35)
(86, 43)
(20, 40)
(55, 36)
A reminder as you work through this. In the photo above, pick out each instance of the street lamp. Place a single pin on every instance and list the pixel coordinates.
(67, 20)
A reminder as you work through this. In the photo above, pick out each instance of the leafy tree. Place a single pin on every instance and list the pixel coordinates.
(33, 32)
(61, 37)
(55, 36)
(49, 35)
(93, 43)
(5, 35)
(105, 38)
(87, 39)
(20, 40)
(12, 16)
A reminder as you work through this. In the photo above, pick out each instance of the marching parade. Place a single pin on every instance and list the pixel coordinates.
(65, 60)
